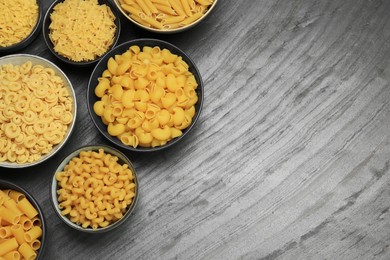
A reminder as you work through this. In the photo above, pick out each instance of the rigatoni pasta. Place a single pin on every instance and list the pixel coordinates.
(147, 97)
(94, 189)
(17, 241)
(165, 14)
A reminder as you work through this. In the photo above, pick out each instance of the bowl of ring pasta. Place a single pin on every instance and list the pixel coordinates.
(94, 189)
(22, 224)
(145, 95)
(166, 16)
(37, 110)
(20, 22)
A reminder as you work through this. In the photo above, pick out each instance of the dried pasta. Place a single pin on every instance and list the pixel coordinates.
(82, 30)
(35, 112)
(147, 97)
(165, 14)
(16, 240)
(17, 20)
(94, 189)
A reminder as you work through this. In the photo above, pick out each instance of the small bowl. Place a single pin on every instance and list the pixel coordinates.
(102, 65)
(164, 31)
(30, 38)
(4, 185)
(50, 45)
(54, 187)
(18, 59)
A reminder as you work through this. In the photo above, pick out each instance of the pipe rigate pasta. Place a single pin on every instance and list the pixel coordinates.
(99, 194)
(34, 118)
(144, 94)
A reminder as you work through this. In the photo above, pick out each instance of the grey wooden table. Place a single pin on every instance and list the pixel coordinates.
(290, 158)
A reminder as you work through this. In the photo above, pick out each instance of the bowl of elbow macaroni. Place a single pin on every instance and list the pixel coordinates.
(20, 28)
(80, 32)
(22, 226)
(145, 95)
(37, 110)
(166, 16)
(94, 189)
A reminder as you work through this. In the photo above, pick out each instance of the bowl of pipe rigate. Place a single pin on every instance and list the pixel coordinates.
(37, 110)
(166, 16)
(22, 225)
(80, 32)
(94, 189)
(20, 22)
(145, 95)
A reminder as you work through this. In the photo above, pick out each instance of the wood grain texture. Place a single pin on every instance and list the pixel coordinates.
(290, 158)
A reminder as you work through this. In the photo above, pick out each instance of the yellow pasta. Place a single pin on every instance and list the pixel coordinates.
(165, 14)
(104, 195)
(17, 239)
(145, 112)
(89, 31)
(16, 27)
(37, 114)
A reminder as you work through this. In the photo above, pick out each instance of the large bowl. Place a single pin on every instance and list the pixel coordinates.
(50, 45)
(54, 187)
(18, 59)
(102, 65)
(31, 37)
(4, 185)
(166, 31)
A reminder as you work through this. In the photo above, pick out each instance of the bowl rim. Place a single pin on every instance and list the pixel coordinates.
(176, 30)
(11, 185)
(30, 37)
(54, 186)
(69, 133)
(50, 45)
(172, 142)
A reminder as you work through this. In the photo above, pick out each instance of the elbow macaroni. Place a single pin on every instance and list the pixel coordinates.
(147, 98)
(36, 116)
(99, 198)
(20, 233)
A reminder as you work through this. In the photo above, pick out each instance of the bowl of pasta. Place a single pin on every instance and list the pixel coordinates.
(18, 30)
(145, 95)
(80, 32)
(94, 189)
(37, 110)
(166, 16)
(23, 229)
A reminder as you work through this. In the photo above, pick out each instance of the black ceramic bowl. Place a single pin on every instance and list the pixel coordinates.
(54, 187)
(50, 45)
(4, 185)
(102, 66)
(31, 37)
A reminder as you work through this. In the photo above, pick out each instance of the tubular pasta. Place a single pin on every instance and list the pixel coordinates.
(165, 14)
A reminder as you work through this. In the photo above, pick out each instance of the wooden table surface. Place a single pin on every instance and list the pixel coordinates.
(290, 158)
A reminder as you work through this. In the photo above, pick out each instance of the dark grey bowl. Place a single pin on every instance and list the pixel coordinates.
(54, 186)
(30, 38)
(12, 186)
(50, 45)
(102, 65)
